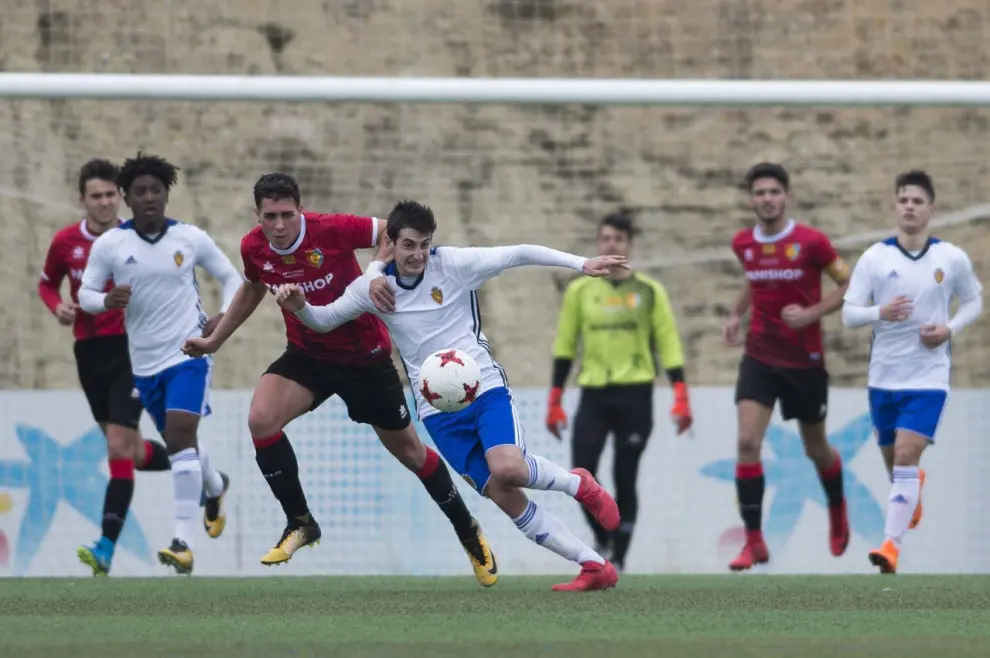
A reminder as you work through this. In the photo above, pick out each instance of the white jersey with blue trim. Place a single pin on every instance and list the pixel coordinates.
(165, 307)
(931, 279)
(439, 310)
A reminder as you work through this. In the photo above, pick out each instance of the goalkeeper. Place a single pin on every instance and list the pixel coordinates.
(621, 321)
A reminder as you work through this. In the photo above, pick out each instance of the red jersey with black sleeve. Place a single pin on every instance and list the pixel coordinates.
(783, 269)
(322, 263)
(67, 256)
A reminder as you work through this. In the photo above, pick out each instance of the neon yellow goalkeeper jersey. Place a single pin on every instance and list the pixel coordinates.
(621, 326)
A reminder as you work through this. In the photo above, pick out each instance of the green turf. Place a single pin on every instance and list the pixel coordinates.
(732, 615)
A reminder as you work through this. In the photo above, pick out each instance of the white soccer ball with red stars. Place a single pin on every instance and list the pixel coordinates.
(449, 380)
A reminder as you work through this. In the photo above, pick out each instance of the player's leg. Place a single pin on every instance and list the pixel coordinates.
(591, 430)
(756, 393)
(805, 398)
(292, 386)
(915, 422)
(633, 424)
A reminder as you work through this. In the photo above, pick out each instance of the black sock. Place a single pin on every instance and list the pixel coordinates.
(831, 479)
(117, 501)
(621, 539)
(277, 461)
(750, 483)
(155, 457)
(436, 478)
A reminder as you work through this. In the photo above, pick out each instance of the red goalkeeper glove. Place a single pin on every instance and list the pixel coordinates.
(681, 411)
(556, 418)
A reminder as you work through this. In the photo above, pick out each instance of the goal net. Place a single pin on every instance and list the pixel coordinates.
(498, 174)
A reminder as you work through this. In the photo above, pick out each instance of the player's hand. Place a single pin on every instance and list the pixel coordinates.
(556, 417)
(933, 335)
(197, 347)
(290, 297)
(681, 411)
(603, 265)
(898, 310)
(118, 297)
(796, 316)
(382, 295)
(386, 250)
(66, 313)
(730, 332)
(211, 325)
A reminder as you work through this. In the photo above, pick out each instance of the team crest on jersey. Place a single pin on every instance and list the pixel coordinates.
(769, 249)
(178, 258)
(792, 251)
(315, 257)
(289, 260)
(939, 275)
(437, 295)
(78, 253)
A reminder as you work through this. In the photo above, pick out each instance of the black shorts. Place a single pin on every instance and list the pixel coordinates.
(104, 365)
(626, 412)
(802, 392)
(372, 392)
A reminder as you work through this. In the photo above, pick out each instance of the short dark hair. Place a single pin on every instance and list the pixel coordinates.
(97, 169)
(918, 178)
(410, 214)
(276, 186)
(768, 170)
(147, 165)
(620, 221)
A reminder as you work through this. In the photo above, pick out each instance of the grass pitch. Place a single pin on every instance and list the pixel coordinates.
(712, 616)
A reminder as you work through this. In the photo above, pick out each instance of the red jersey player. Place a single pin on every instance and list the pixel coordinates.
(784, 358)
(316, 252)
(102, 358)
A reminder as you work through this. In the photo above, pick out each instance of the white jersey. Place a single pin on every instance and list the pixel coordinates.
(930, 279)
(165, 307)
(440, 309)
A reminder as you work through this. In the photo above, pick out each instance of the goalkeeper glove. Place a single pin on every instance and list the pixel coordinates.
(556, 418)
(681, 411)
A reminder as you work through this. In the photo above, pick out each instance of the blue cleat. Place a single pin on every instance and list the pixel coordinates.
(98, 556)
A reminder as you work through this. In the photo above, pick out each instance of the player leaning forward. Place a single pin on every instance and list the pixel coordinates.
(902, 287)
(436, 308)
(354, 362)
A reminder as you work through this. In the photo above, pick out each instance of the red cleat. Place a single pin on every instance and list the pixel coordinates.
(838, 528)
(593, 576)
(596, 500)
(754, 552)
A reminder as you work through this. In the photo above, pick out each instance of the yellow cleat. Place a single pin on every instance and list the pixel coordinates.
(293, 538)
(482, 558)
(214, 517)
(178, 556)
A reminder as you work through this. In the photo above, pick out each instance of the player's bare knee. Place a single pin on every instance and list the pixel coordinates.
(121, 442)
(263, 421)
(749, 446)
(180, 431)
(908, 448)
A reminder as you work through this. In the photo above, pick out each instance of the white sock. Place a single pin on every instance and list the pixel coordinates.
(545, 475)
(903, 499)
(212, 482)
(550, 532)
(187, 487)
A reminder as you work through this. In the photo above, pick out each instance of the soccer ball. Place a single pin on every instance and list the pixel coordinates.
(449, 380)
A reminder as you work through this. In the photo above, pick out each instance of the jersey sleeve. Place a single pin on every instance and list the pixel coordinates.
(860, 291)
(967, 286)
(475, 265)
(250, 270)
(829, 260)
(356, 232)
(213, 260)
(355, 301)
(52, 273)
(565, 345)
(665, 334)
(99, 270)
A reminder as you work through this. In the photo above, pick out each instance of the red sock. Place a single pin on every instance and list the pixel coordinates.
(430, 465)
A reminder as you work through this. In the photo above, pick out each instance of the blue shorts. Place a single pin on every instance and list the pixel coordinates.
(915, 411)
(182, 387)
(464, 437)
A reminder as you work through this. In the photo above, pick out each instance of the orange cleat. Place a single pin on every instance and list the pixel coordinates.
(918, 510)
(593, 576)
(596, 500)
(838, 528)
(754, 552)
(885, 557)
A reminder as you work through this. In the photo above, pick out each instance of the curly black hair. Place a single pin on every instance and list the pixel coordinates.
(147, 165)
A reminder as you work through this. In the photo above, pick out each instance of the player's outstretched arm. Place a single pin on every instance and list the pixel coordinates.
(478, 264)
(355, 301)
(247, 298)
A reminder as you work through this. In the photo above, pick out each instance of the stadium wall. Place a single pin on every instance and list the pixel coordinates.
(377, 519)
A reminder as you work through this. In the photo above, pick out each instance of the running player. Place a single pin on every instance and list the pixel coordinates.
(152, 261)
(902, 287)
(102, 360)
(784, 360)
(317, 252)
(622, 322)
(437, 308)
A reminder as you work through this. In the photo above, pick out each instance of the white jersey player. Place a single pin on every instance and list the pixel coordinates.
(902, 288)
(436, 307)
(151, 260)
